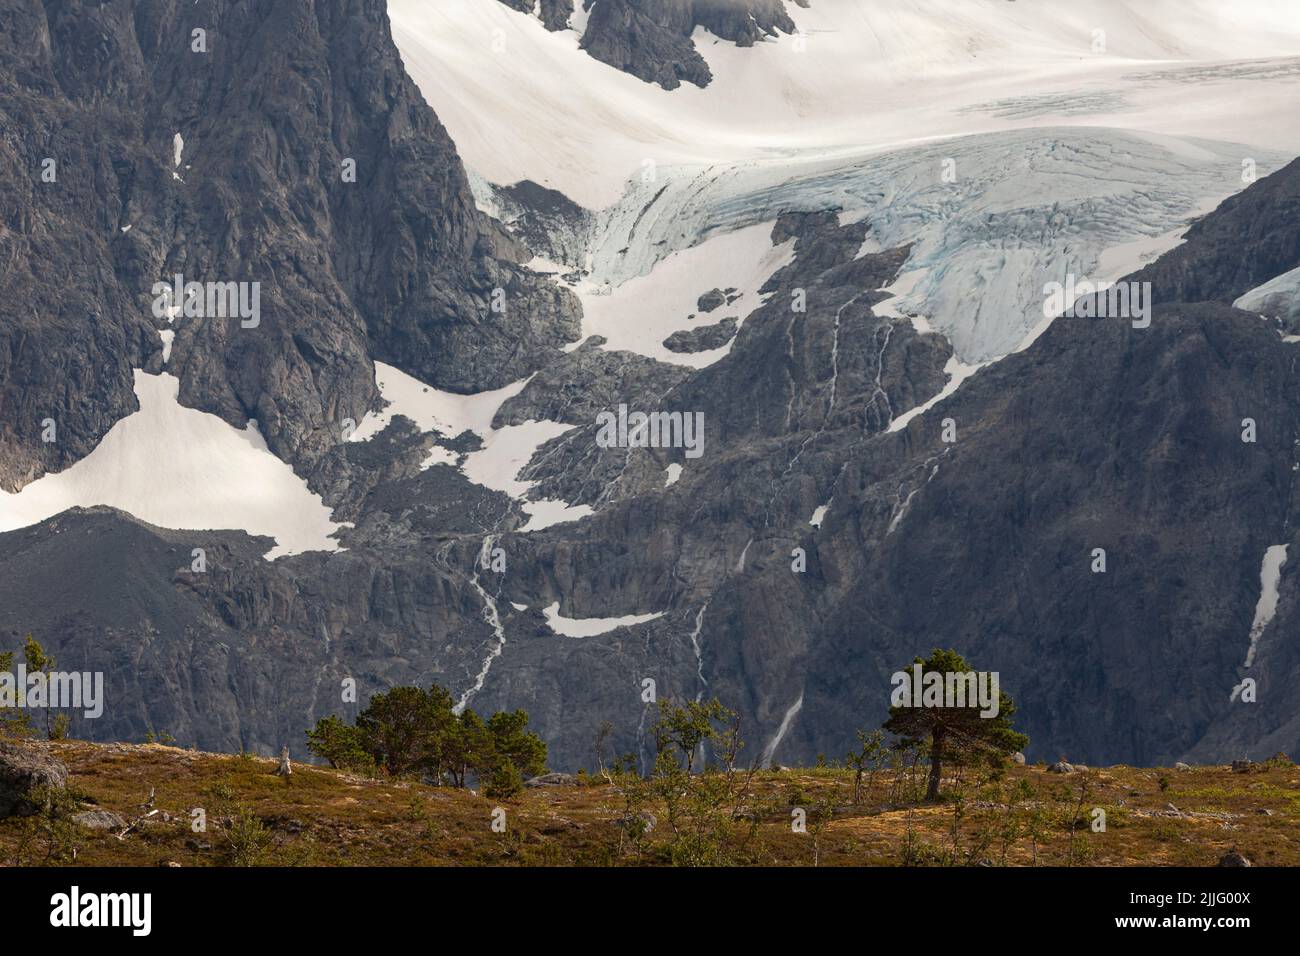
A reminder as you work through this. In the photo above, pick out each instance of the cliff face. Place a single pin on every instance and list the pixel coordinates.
(283, 145)
(809, 554)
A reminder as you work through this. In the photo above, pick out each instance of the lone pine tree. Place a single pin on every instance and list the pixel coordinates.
(959, 713)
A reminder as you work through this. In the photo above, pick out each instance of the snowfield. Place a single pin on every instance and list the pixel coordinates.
(180, 468)
(859, 76)
(1278, 298)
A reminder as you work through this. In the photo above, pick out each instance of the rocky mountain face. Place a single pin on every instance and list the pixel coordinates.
(1211, 265)
(260, 141)
(820, 541)
(651, 39)
(554, 14)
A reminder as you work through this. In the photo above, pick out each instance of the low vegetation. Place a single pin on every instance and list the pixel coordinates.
(412, 782)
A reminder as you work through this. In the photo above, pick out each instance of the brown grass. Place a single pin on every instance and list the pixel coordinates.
(330, 818)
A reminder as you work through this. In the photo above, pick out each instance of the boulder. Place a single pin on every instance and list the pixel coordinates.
(1182, 766)
(1060, 767)
(552, 780)
(1018, 758)
(99, 820)
(713, 299)
(643, 822)
(1234, 857)
(23, 770)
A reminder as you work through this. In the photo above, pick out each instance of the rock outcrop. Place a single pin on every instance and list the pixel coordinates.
(652, 39)
(25, 770)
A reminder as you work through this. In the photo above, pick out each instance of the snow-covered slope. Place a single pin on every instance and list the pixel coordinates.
(522, 103)
(180, 468)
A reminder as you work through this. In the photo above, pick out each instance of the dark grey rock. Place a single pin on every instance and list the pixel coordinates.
(703, 338)
(713, 299)
(554, 14)
(642, 822)
(651, 39)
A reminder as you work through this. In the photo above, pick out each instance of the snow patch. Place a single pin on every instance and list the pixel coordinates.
(1278, 298)
(1270, 572)
(504, 452)
(591, 626)
(637, 314)
(177, 467)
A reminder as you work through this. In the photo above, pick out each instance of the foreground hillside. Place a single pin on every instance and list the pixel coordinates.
(316, 816)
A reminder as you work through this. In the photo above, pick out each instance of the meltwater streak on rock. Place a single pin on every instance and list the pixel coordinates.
(770, 750)
(493, 618)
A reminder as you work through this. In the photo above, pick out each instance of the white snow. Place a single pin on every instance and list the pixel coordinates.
(818, 515)
(168, 336)
(549, 511)
(591, 626)
(863, 76)
(992, 136)
(178, 147)
(673, 474)
(432, 408)
(642, 311)
(504, 452)
(1270, 571)
(1279, 297)
(176, 467)
(957, 373)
